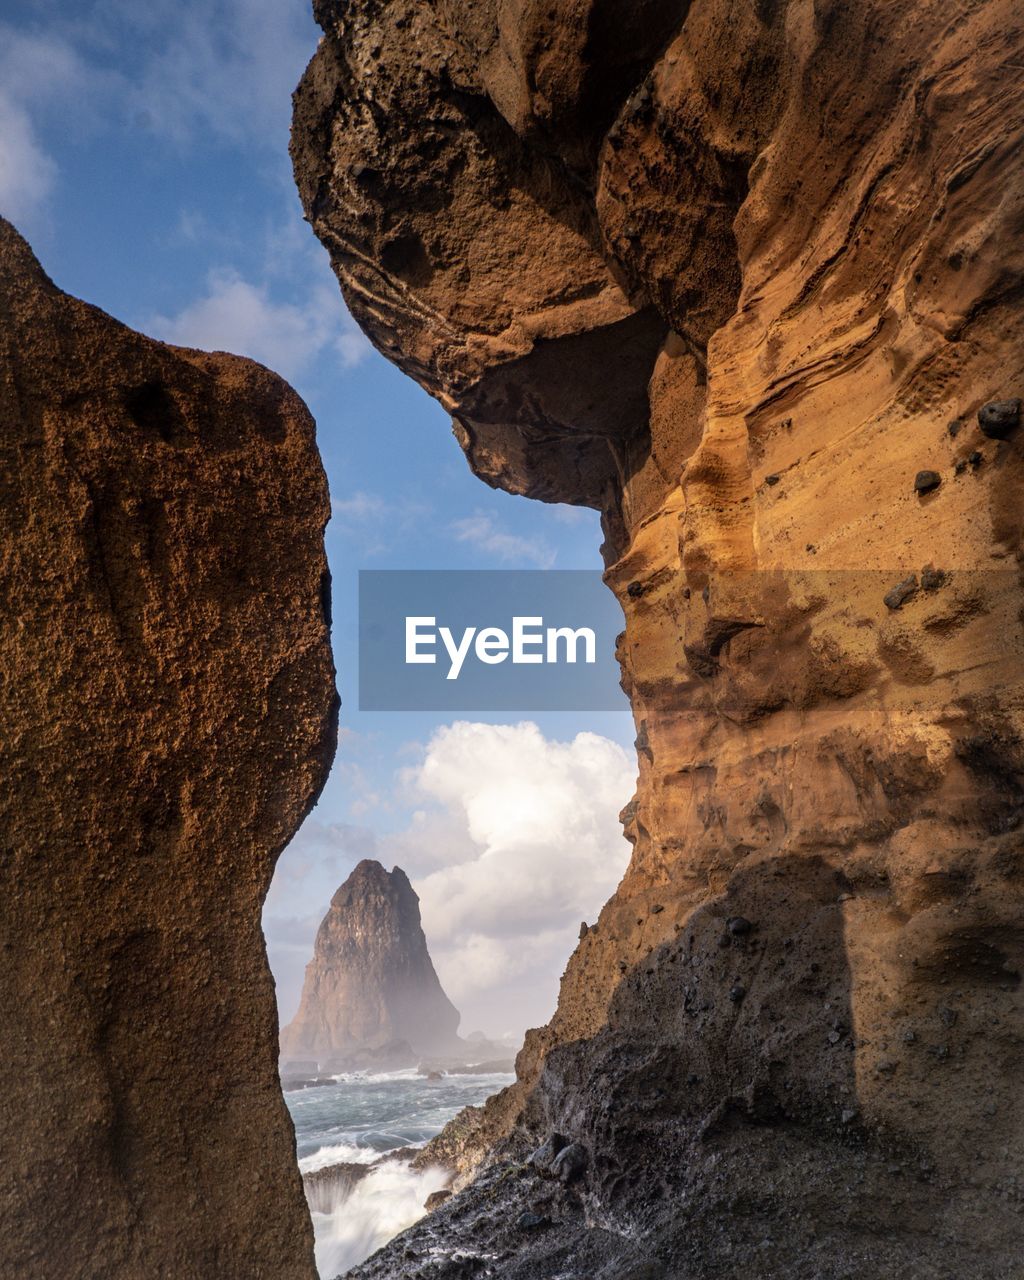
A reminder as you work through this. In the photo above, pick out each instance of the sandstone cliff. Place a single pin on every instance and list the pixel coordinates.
(168, 718)
(370, 988)
(746, 276)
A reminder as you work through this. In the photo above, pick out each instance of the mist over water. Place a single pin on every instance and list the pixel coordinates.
(355, 1122)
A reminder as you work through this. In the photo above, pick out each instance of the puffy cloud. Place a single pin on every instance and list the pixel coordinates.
(38, 72)
(484, 532)
(223, 70)
(513, 839)
(27, 173)
(238, 316)
(517, 841)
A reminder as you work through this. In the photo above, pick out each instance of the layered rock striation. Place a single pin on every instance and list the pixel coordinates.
(748, 278)
(370, 991)
(168, 715)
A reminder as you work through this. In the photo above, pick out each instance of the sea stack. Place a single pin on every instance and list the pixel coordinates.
(371, 993)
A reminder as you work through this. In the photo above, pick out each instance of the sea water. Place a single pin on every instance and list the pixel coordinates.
(354, 1122)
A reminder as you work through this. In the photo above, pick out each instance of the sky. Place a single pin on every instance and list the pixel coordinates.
(144, 155)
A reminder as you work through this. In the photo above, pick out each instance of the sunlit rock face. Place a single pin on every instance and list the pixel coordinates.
(742, 285)
(168, 718)
(370, 992)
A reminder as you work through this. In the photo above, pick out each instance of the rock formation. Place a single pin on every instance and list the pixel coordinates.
(370, 991)
(739, 274)
(168, 716)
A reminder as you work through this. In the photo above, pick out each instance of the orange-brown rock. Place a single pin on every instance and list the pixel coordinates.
(792, 1045)
(167, 720)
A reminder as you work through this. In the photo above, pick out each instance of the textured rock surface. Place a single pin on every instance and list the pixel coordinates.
(168, 718)
(371, 984)
(736, 300)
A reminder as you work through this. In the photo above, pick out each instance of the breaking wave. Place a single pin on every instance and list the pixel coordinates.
(353, 1123)
(366, 1216)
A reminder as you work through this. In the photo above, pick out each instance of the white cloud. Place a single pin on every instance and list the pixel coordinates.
(531, 845)
(226, 68)
(484, 532)
(37, 73)
(565, 514)
(513, 839)
(238, 316)
(27, 173)
(223, 70)
(359, 507)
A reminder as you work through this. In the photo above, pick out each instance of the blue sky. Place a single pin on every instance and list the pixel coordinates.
(143, 153)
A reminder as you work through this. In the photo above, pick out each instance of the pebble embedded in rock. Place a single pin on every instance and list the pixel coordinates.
(976, 458)
(635, 589)
(530, 1221)
(657, 909)
(736, 993)
(932, 578)
(570, 1162)
(834, 1037)
(955, 427)
(544, 1157)
(772, 479)
(849, 1115)
(926, 481)
(738, 926)
(999, 418)
(896, 597)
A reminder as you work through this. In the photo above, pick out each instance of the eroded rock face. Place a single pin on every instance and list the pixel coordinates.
(168, 719)
(370, 985)
(820, 203)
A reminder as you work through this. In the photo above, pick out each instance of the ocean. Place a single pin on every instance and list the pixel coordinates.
(355, 1121)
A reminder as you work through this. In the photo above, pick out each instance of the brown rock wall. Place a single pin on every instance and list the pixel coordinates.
(822, 203)
(168, 716)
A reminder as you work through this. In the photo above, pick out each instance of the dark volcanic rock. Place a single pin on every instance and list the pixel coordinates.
(371, 994)
(167, 721)
(999, 418)
(544, 1157)
(896, 597)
